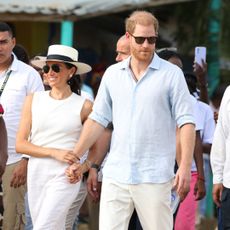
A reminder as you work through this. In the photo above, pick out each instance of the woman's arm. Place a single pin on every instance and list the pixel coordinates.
(86, 110)
(25, 147)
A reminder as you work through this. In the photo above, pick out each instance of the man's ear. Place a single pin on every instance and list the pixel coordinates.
(14, 41)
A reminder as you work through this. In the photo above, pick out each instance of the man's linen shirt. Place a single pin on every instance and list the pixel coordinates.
(145, 115)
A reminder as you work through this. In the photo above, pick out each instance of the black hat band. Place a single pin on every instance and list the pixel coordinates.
(60, 57)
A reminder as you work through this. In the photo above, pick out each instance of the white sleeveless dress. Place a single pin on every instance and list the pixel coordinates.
(55, 124)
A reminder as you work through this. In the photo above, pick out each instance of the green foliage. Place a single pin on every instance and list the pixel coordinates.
(225, 30)
(192, 20)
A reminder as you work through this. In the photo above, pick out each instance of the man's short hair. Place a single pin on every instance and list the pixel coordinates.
(166, 54)
(4, 27)
(143, 18)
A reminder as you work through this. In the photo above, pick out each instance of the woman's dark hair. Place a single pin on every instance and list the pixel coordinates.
(21, 53)
(75, 81)
(191, 82)
(167, 54)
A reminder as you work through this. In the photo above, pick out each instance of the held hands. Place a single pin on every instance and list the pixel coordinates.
(74, 172)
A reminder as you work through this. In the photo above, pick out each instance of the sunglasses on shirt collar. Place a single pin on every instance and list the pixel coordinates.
(54, 67)
(140, 40)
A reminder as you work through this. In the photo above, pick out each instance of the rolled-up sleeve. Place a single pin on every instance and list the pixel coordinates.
(102, 108)
(180, 98)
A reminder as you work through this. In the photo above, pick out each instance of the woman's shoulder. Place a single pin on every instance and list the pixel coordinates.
(39, 95)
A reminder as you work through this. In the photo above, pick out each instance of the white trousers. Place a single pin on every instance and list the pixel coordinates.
(76, 205)
(151, 201)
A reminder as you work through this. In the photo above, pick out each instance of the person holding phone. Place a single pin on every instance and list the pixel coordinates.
(200, 70)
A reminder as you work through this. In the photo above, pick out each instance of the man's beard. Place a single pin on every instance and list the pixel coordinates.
(144, 55)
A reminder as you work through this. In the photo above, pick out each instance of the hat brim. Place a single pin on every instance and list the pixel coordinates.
(40, 61)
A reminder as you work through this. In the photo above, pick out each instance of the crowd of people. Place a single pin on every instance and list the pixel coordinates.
(141, 143)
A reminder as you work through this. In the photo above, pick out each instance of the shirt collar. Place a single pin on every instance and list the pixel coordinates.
(14, 65)
(155, 63)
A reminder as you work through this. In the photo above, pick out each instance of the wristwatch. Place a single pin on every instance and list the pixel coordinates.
(95, 166)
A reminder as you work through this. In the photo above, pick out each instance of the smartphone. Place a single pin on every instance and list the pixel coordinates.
(200, 54)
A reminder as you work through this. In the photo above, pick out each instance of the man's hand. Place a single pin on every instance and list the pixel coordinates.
(19, 174)
(2, 169)
(199, 190)
(74, 173)
(182, 182)
(66, 156)
(201, 72)
(93, 186)
(3, 160)
(217, 193)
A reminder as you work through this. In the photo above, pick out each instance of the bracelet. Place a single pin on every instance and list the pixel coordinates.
(88, 163)
(201, 178)
(95, 166)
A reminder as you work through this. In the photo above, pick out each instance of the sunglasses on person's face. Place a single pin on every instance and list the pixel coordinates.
(54, 67)
(140, 40)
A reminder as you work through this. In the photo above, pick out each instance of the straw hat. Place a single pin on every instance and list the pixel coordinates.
(62, 53)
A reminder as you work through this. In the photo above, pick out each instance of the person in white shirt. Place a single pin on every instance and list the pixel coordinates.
(220, 160)
(18, 80)
(141, 152)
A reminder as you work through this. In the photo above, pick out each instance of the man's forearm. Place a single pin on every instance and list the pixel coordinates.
(90, 133)
(187, 136)
(99, 150)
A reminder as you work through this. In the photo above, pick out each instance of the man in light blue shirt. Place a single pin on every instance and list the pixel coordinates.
(146, 98)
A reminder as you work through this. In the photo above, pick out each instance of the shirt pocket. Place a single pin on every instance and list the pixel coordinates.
(14, 97)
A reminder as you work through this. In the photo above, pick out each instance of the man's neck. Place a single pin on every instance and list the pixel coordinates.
(5, 66)
(138, 67)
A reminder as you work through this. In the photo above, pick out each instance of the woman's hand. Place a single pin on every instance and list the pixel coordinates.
(66, 156)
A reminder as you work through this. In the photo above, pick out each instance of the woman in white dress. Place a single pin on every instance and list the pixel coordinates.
(50, 126)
